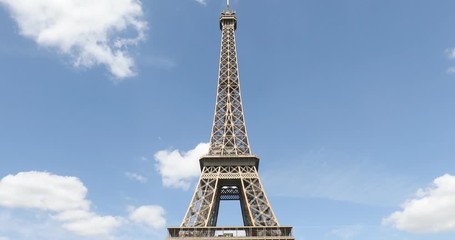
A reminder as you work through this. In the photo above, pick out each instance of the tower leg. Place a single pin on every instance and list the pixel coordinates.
(203, 201)
(203, 209)
(255, 198)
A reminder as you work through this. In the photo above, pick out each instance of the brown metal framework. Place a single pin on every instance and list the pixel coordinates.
(229, 171)
(229, 135)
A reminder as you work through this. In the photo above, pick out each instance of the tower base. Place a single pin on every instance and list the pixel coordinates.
(235, 233)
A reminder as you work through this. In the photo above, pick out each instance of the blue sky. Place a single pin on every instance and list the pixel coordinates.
(349, 104)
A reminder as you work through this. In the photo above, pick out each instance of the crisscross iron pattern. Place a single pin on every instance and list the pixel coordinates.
(229, 136)
(241, 181)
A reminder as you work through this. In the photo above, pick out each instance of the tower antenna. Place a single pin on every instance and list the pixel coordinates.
(228, 3)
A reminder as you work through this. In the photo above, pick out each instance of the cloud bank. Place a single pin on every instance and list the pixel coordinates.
(431, 211)
(64, 196)
(65, 199)
(177, 168)
(89, 32)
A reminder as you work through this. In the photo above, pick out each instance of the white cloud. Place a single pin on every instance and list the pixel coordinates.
(431, 211)
(152, 216)
(63, 196)
(52, 206)
(177, 168)
(90, 32)
(43, 191)
(136, 177)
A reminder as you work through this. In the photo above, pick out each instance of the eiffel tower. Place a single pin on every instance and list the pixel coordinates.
(229, 171)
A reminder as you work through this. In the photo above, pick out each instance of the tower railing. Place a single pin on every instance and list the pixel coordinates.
(237, 233)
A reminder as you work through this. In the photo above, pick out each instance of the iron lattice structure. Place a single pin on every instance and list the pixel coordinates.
(229, 135)
(229, 171)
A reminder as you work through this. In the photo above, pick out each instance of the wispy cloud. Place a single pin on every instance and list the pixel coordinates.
(177, 168)
(347, 232)
(136, 177)
(89, 32)
(159, 62)
(451, 55)
(431, 211)
(203, 2)
(333, 176)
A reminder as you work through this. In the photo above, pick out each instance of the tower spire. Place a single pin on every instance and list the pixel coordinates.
(228, 4)
(229, 136)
